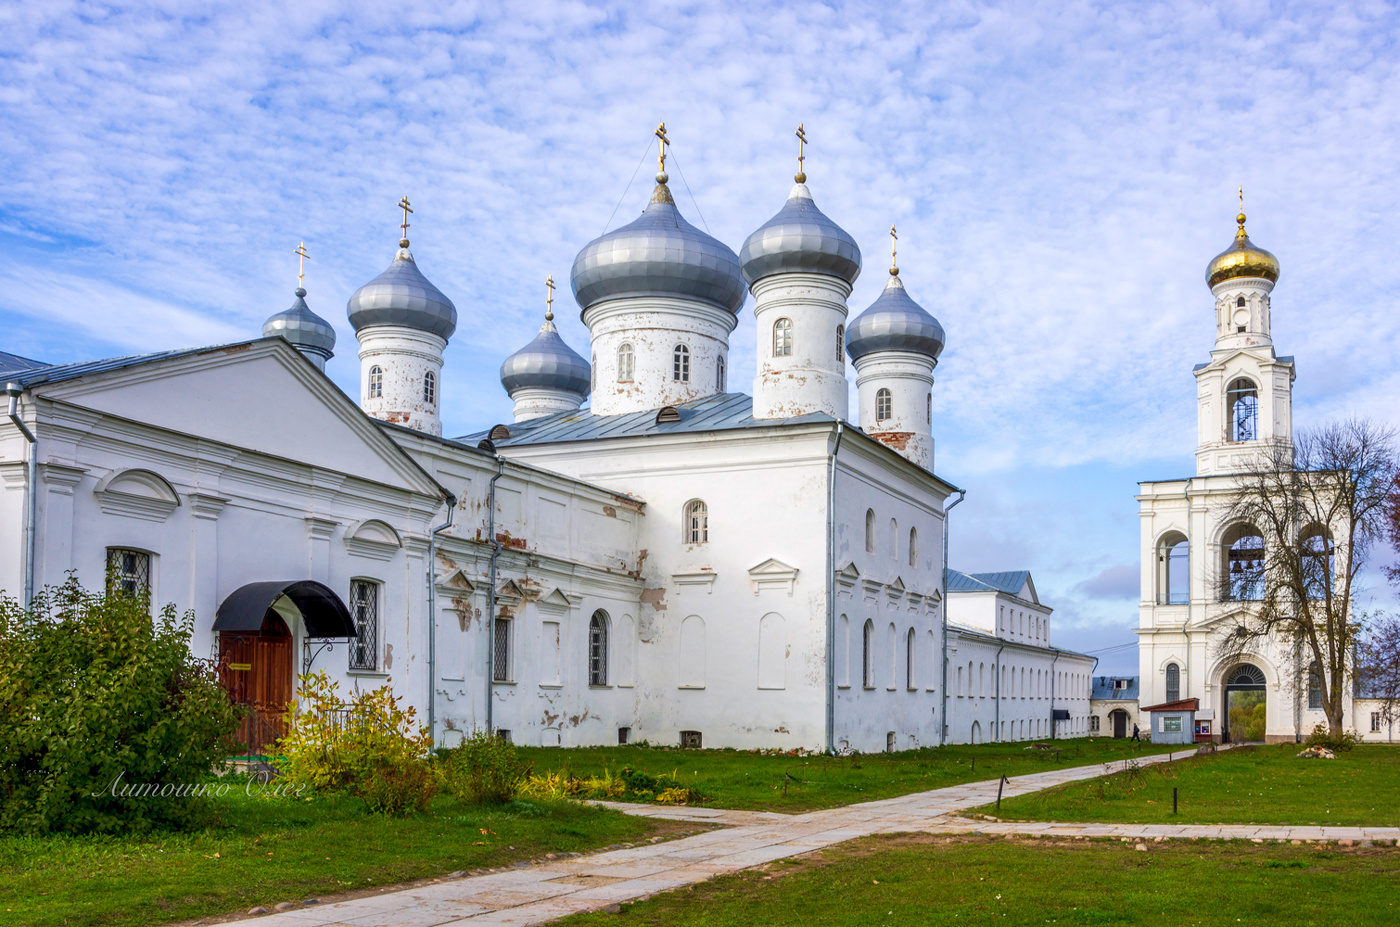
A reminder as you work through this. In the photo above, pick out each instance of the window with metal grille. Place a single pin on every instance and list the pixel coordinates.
(1314, 688)
(697, 522)
(841, 344)
(429, 388)
(867, 658)
(719, 374)
(680, 364)
(128, 571)
(364, 610)
(598, 649)
(376, 382)
(626, 362)
(691, 740)
(782, 338)
(883, 402)
(1173, 682)
(500, 658)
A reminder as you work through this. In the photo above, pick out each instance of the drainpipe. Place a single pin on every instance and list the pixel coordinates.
(451, 501)
(831, 595)
(1190, 558)
(997, 693)
(491, 595)
(1052, 692)
(31, 503)
(943, 719)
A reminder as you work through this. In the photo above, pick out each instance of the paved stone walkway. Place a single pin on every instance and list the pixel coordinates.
(538, 893)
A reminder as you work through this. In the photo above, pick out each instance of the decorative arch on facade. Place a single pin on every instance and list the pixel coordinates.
(692, 653)
(772, 652)
(137, 492)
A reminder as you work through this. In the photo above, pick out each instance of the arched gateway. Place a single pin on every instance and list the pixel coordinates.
(1245, 705)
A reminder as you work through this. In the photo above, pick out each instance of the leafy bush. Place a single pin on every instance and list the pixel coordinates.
(629, 785)
(483, 769)
(370, 746)
(107, 723)
(1322, 737)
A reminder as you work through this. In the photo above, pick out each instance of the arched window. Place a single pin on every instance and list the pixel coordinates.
(909, 676)
(626, 362)
(870, 531)
(867, 656)
(1173, 569)
(680, 364)
(913, 547)
(1244, 564)
(696, 522)
(1240, 302)
(719, 374)
(782, 338)
(841, 344)
(1173, 682)
(1314, 687)
(593, 374)
(928, 403)
(598, 649)
(894, 540)
(882, 405)
(429, 388)
(1318, 561)
(1242, 405)
(376, 382)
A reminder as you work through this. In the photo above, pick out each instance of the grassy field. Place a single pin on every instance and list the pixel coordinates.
(930, 880)
(752, 781)
(274, 850)
(1248, 785)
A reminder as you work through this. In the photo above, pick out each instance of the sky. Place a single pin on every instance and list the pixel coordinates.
(1060, 173)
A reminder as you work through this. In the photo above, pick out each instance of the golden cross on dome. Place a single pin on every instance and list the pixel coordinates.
(801, 153)
(549, 303)
(404, 205)
(1240, 217)
(301, 264)
(894, 251)
(661, 134)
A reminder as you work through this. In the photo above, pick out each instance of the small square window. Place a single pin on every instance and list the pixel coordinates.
(128, 571)
(691, 740)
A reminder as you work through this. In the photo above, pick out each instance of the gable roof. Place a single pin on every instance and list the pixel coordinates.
(13, 363)
(1103, 689)
(1009, 581)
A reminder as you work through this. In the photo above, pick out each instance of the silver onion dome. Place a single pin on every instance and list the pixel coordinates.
(894, 322)
(403, 296)
(658, 254)
(800, 238)
(302, 327)
(546, 363)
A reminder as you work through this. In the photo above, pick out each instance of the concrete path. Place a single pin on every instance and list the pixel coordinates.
(534, 894)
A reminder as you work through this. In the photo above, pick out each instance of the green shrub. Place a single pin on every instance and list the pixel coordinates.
(1321, 736)
(483, 769)
(98, 698)
(370, 746)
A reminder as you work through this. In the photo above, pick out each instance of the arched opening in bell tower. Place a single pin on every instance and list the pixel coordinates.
(1242, 407)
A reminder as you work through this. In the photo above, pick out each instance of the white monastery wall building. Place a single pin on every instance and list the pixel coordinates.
(672, 562)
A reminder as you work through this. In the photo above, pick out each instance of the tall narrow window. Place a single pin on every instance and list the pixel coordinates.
(909, 676)
(1173, 570)
(593, 374)
(841, 344)
(500, 656)
(782, 338)
(719, 374)
(680, 364)
(1240, 302)
(1173, 682)
(429, 388)
(598, 649)
(364, 611)
(376, 382)
(870, 531)
(626, 361)
(894, 540)
(913, 547)
(882, 405)
(696, 522)
(128, 571)
(1314, 688)
(928, 411)
(1318, 562)
(867, 657)
(1242, 403)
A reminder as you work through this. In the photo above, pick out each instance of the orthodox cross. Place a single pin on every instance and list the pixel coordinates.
(301, 264)
(894, 251)
(801, 153)
(404, 205)
(1240, 217)
(661, 134)
(549, 303)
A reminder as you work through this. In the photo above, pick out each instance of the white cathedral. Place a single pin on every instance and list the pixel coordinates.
(673, 562)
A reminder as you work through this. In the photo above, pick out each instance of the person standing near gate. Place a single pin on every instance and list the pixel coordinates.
(1135, 733)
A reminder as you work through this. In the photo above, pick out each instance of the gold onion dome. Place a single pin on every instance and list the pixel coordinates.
(1242, 259)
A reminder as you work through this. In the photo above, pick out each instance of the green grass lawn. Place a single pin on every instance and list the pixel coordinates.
(273, 850)
(753, 781)
(929, 880)
(1247, 785)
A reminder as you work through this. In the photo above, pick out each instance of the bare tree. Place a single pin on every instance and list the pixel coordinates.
(1320, 505)
(1378, 665)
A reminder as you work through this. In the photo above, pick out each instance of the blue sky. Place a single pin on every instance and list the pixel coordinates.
(1060, 173)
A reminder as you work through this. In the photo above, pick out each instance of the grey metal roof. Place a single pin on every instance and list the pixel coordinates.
(302, 327)
(658, 254)
(1008, 581)
(546, 363)
(403, 296)
(800, 238)
(13, 363)
(894, 322)
(722, 412)
(58, 373)
(1103, 688)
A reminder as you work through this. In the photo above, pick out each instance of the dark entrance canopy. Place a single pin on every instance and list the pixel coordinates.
(322, 612)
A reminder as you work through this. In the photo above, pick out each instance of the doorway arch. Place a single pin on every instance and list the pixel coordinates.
(1246, 705)
(1118, 721)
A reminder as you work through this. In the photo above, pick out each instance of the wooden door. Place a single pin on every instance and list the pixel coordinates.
(256, 671)
(1120, 725)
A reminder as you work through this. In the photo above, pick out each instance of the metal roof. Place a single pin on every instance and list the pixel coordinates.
(402, 296)
(302, 327)
(1103, 688)
(546, 363)
(800, 238)
(57, 373)
(1008, 581)
(894, 322)
(13, 363)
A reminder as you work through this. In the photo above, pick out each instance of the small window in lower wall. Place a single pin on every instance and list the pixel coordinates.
(504, 734)
(890, 742)
(1171, 725)
(1375, 721)
(1093, 723)
(364, 611)
(691, 739)
(624, 734)
(500, 658)
(128, 571)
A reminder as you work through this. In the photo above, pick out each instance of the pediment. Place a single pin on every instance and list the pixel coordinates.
(557, 602)
(373, 538)
(509, 591)
(137, 493)
(773, 574)
(458, 581)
